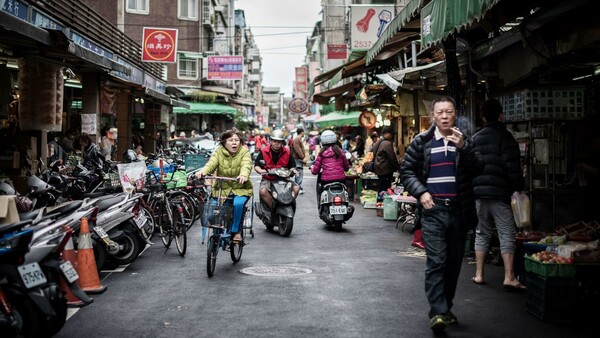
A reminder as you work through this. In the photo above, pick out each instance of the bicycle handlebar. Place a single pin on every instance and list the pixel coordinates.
(222, 178)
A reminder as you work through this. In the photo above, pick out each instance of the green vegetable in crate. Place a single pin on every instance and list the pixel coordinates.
(555, 240)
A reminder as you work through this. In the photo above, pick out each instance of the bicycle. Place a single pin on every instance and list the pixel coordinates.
(169, 213)
(217, 217)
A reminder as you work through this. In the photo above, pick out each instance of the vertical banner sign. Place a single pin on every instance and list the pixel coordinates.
(225, 67)
(159, 45)
(337, 51)
(301, 81)
(367, 23)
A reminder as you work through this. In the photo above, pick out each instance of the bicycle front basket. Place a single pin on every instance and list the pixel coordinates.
(216, 215)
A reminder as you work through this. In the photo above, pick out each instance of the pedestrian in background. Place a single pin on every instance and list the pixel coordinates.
(297, 149)
(359, 148)
(384, 157)
(374, 139)
(438, 168)
(502, 175)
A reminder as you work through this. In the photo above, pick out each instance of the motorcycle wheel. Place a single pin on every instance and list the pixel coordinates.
(337, 226)
(28, 318)
(285, 227)
(129, 248)
(211, 256)
(59, 304)
(99, 253)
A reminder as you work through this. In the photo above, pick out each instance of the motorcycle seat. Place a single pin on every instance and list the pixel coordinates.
(104, 204)
(29, 215)
(64, 208)
(15, 227)
(93, 194)
(37, 186)
(334, 186)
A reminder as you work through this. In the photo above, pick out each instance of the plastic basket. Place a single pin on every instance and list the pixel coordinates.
(194, 161)
(551, 299)
(213, 216)
(167, 169)
(549, 269)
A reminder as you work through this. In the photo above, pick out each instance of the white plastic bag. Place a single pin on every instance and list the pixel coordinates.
(521, 207)
(132, 176)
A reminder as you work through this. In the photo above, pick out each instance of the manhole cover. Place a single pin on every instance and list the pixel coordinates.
(275, 271)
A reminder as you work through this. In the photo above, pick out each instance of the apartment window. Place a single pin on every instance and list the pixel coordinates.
(137, 6)
(188, 9)
(187, 68)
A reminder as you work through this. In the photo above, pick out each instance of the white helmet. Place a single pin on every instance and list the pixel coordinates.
(328, 137)
(277, 135)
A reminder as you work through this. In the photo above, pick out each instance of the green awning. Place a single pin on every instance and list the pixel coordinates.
(440, 18)
(401, 19)
(205, 108)
(339, 119)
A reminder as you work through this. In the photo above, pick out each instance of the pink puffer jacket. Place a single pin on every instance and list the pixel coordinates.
(333, 168)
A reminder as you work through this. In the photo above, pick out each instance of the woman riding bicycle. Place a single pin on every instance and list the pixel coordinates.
(234, 161)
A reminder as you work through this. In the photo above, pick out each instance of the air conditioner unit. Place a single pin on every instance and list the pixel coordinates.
(207, 12)
(219, 8)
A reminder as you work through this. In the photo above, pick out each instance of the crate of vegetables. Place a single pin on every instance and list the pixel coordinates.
(548, 264)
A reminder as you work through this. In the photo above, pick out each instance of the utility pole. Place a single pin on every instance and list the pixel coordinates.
(281, 109)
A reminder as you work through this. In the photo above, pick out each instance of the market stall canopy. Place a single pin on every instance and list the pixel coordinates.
(441, 18)
(311, 119)
(205, 108)
(339, 119)
(325, 97)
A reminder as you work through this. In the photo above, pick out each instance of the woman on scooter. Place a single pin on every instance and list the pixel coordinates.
(331, 163)
(232, 160)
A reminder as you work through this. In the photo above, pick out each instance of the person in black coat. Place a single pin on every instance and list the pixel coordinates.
(502, 175)
(438, 168)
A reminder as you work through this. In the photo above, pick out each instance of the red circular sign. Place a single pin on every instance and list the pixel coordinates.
(367, 119)
(159, 45)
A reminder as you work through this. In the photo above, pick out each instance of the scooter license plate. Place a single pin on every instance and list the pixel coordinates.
(32, 275)
(100, 232)
(69, 271)
(338, 210)
(141, 220)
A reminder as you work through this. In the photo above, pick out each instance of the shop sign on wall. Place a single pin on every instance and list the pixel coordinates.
(337, 51)
(367, 23)
(159, 45)
(88, 124)
(225, 67)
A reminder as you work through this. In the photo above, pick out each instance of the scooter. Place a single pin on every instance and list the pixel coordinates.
(281, 214)
(334, 206)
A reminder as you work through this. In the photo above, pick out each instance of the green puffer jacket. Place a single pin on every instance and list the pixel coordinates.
(222, 163)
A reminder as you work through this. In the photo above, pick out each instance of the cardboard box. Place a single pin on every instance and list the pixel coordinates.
(8, 210)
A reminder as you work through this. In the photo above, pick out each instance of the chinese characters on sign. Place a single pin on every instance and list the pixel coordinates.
(367, 24)
(336, 52)
(159, 45)
(225, 67)
(301, 81)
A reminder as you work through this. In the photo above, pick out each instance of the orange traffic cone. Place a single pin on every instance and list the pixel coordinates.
(86, 263)
(68, 254)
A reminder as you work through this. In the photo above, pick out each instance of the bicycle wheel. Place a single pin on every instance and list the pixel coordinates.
(188, 206)
(211, 255)
(165, 224)
(180, 232)
(236, 248)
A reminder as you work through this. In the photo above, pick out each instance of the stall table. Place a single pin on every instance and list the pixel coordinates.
(406, 207)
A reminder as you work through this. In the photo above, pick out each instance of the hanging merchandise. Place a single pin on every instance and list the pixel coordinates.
(521, 207)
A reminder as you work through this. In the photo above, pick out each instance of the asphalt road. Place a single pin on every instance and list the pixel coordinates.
(365, 281)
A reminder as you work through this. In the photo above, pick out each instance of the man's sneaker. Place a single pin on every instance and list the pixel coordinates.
(438, 324)
(301, 191)
(450, 318)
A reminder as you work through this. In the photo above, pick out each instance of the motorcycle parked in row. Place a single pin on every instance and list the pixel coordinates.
(281, 214)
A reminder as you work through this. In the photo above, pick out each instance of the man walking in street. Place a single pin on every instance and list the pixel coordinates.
(299, 156)
(438, 169)
(501, 176)
(386, 162)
